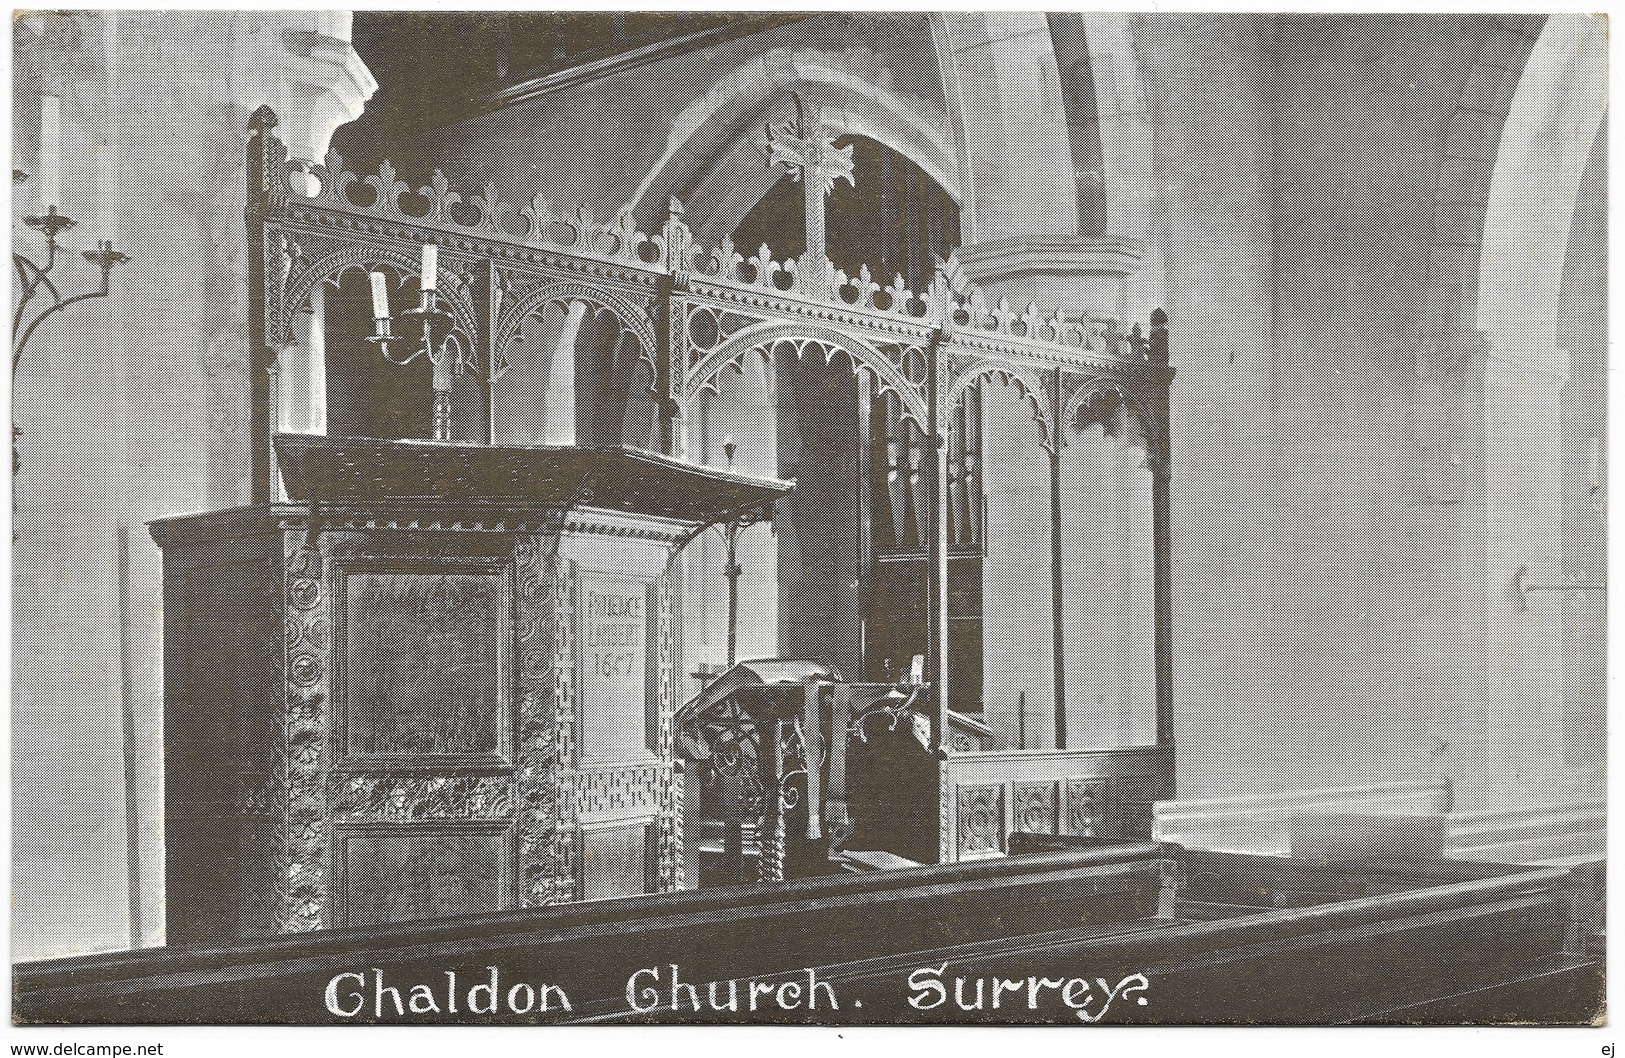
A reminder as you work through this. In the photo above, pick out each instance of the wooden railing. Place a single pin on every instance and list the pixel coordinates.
(1107, 794)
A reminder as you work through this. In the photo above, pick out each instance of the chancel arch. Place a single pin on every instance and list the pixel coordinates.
(713, 159)
(1544, 360)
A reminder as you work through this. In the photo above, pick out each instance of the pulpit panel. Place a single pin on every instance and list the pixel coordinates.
(619, 859)
(399, 873)
(421, 785)
(425, 662)
(618, 717)
(623, 797)
(409, 746)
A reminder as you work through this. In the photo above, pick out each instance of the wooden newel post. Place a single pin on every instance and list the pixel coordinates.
(812, 751)
(937, 673)
(771, 840)
(1157, 353)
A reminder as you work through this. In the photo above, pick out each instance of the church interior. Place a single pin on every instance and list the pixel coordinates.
(533, 459)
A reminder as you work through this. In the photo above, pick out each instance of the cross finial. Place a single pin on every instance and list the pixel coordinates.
(805, 148)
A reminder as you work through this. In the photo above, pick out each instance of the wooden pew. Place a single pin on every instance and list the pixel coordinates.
(1064, 936)
(591, 949)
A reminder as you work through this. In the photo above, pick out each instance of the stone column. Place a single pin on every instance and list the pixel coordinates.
(1018, 672)
(133, 407)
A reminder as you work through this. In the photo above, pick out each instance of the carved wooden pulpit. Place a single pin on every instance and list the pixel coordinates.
(439, 682)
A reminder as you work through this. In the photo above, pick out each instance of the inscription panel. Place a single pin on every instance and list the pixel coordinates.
(405, 874)
(425, 664)
(618, 720)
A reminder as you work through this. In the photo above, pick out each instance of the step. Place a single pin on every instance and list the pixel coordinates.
(1589, 846)
(1597, 807)
(1509, 826)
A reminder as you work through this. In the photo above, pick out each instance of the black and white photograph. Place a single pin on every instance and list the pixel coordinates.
(827, 518)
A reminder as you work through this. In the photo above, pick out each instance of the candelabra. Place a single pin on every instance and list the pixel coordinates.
(33, 277)
(425, 331)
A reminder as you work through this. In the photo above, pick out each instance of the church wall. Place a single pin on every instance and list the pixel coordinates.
(1210, 248)
(1324, 190)
(132, 407)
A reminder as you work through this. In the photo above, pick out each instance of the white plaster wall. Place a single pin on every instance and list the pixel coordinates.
(132, 407)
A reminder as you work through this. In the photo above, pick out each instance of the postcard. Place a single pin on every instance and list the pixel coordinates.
(1002, 518)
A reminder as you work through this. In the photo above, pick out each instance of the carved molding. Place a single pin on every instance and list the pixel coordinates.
(618, 790)
(412, 517)
(670, 836)
(1035, 807)
(405, 798)
(1062, 254)
(543, 785)
(981, 819)
(304, 870)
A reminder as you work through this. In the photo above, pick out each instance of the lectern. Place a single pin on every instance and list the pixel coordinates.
(439, 681)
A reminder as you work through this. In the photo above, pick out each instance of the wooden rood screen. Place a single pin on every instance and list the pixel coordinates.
(679, 314)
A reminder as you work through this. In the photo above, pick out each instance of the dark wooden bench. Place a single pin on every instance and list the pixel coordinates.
(1215, 939)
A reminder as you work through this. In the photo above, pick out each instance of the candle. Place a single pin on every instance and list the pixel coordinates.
(431, 258)
(380, 296)
(50, 150)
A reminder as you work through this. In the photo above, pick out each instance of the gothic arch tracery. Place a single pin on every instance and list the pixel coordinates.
(631, 317)
(1031, 387)
(300, 281)
(891, 373)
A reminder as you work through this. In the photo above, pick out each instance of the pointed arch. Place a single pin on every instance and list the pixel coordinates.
(1030, 385)
(330, 268)
(632, 317)
(1555, 114)
(713, 159)
(890, 374)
